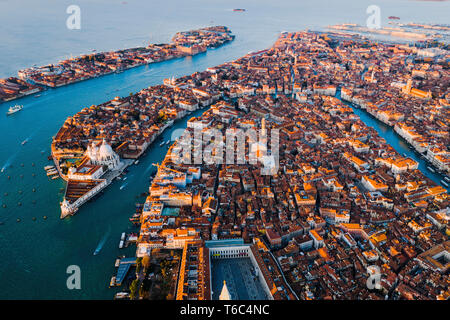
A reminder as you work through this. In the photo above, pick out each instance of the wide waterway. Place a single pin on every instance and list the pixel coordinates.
(34, 255)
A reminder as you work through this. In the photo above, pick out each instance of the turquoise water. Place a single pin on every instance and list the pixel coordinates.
(35, 254)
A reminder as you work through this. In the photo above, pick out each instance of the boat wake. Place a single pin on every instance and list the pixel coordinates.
(102, 242)
(29, 138)
(7, 163)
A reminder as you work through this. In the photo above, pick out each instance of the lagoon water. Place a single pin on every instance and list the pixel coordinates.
(36, 253)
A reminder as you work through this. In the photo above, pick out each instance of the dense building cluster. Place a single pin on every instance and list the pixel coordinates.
(13, 88)
(101, 63)
(341, 200)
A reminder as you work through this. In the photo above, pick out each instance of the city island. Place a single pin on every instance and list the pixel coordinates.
(88, 66)
(339, 209)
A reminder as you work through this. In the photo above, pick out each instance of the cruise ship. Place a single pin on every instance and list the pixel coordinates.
(14, 109)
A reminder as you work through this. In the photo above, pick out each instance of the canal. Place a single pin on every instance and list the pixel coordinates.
(36, 251)
(397, 142)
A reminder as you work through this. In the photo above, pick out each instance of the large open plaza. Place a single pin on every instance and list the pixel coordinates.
(240, 278)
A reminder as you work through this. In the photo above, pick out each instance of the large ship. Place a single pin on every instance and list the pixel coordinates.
(14, 109)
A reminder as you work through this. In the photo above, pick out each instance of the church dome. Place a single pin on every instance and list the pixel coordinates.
(105, 151)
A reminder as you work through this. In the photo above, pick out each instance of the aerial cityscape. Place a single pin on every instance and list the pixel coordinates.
(225, 161)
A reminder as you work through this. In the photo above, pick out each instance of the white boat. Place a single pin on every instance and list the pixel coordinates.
(14, 109)
(123, 236)
(49, 167)
(161, 144)
(121, 295)
(121, 244)
(168, 141)
(444, 183)
(431, 169)
(136, 162)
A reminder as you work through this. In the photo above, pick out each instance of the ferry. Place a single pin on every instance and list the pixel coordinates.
(14, 109)
(431, 169)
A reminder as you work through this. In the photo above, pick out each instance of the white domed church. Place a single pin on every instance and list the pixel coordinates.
(103, 155)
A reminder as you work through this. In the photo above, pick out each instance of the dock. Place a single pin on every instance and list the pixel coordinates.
(124, 266)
